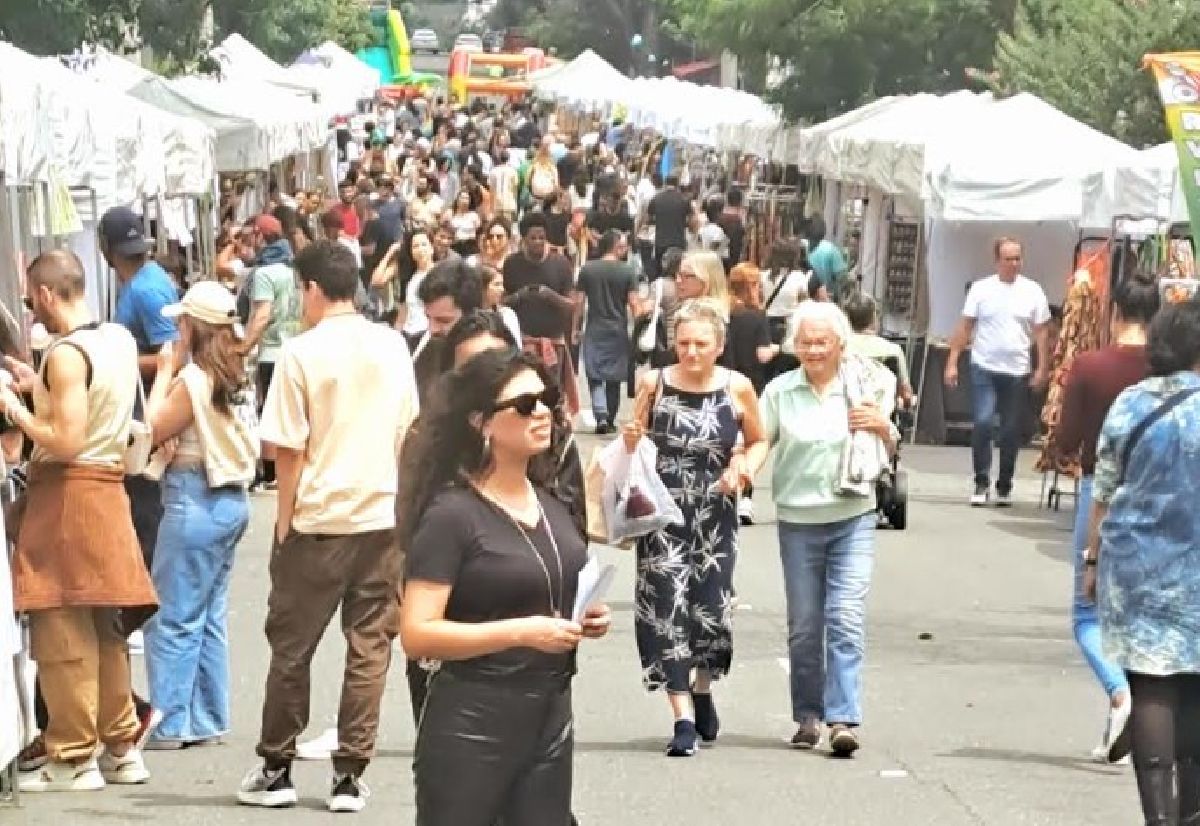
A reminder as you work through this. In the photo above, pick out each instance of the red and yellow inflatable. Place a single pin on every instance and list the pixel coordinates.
(480, 74)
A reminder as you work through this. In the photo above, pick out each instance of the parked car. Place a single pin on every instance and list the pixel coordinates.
(468, 41)
(425, 40)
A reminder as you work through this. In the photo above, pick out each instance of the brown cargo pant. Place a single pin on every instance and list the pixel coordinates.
(311, 575)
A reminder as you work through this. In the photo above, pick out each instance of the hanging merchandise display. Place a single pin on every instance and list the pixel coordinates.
(774, 212)
(903, 242)
(1084, 328)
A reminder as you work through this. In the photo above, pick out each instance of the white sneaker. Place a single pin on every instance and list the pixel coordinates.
(1117, 735)
(127, 770)
(979, 499)
(63, 777)
(348, 794)
(269, 789)
(320, 747)
(137, 644)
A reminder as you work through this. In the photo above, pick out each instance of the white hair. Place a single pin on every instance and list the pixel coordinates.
(822, 312)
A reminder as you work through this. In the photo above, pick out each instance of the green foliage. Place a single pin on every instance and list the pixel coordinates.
(349, 25)
(48, 27)
(1084, 56)
(842, 53)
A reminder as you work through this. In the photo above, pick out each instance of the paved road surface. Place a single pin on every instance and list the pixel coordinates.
(989, 722)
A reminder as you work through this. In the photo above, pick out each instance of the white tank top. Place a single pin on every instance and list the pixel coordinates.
(112, 357)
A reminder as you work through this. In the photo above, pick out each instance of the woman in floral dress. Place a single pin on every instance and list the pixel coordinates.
(696, 412)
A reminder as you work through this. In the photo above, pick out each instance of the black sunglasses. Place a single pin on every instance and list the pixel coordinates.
(526, 403)
(28, 303)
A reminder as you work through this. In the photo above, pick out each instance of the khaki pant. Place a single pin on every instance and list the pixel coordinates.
(311, 576)
(83, 672)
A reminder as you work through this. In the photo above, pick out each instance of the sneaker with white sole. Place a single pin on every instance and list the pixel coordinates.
(746, 510)
(33, 756)
(1117, 736)
(58, 776)
(979, 499)
(1004, 499)
(127, 770)
(348, 794)
(269, 788)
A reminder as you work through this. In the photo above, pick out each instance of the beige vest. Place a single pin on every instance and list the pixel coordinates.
(112, 357)
(227, 445)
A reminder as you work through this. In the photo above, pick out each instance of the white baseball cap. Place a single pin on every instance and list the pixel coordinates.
(206, 301)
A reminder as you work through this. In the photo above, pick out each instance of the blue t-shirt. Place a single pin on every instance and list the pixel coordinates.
(140, 304)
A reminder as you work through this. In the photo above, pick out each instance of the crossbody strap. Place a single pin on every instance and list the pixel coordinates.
(778, 288)
(1171, 402)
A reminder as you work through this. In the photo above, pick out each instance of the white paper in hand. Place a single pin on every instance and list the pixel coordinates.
(594, 582)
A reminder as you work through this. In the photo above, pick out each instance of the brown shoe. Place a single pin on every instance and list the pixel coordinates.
(807, 735)
(843, 741)
(33, 756)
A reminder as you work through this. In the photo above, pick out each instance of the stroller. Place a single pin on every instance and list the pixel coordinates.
(891, 491)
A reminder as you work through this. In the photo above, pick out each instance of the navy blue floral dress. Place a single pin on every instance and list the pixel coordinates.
(684, 612)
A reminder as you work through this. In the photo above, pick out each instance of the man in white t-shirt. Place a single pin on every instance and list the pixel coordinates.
(1003, 316)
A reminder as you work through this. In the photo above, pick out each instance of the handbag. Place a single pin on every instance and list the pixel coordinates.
(141, 444)
(777, 325)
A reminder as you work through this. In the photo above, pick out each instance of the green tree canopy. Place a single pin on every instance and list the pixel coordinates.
(1084, 56)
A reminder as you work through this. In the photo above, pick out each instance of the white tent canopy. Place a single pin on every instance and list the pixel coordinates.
(1023, 160)
(699, 114)
(341, 78)
(588, 80)
(53, 124)
(243, 62)
(254, 127)
(1150, 187)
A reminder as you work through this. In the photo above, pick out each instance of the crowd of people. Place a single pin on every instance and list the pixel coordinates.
(443, 304)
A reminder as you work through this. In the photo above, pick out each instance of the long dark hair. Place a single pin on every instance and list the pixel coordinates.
(215, 351)
(448, 446)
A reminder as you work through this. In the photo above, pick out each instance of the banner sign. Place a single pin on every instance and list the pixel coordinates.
(1177, 76)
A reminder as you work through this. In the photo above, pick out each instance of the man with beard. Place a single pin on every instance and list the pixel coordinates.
(77, 561)
(539, 285)
(451, 289)
(425, 208)
(347, 192)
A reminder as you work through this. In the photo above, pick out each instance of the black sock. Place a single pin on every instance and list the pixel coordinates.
(268, 474)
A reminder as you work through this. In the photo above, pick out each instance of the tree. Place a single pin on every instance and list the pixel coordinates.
(350, 25)
(1084, 57)
(48, 27)
(840, 55)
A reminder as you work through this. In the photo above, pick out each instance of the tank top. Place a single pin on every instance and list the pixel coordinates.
(226, 445)
(112, 381)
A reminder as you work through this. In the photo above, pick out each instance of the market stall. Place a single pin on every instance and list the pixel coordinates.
(341, 78)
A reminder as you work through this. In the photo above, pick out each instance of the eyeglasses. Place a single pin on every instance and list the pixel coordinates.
(526, 403)
(28, 303)
(1012, 259)
(497, 236)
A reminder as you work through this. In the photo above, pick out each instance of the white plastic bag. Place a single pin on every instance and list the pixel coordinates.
(636, 502)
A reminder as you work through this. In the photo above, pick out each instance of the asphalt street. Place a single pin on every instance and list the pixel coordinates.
(979, 708)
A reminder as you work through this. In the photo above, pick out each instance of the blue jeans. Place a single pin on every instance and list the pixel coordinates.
(827, 573)
(187, 645)
(1083, 610)
(995, 394)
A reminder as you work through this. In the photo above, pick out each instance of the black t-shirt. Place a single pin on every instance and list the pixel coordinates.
(539, 316)
(601, 221)
(568, 165)
(468, 543)
(607, 285)
(735, 230)
(375, 232)
(670, 209)
(557, 224)
(747, 332)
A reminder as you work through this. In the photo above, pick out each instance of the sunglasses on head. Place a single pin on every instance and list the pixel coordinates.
(526, 403)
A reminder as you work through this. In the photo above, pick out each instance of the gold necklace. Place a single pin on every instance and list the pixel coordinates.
(555, 610)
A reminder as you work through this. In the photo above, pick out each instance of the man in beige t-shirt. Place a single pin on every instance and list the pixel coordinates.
(341, 391)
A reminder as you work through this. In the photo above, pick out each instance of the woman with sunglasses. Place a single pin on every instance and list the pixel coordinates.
(493, 562)
(495, 244)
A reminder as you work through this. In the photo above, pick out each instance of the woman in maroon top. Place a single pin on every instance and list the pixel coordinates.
(1093, 384)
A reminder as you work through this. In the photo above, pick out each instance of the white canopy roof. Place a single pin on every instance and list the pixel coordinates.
(254, 126)
(1150, 188)
(680, 109)
(588, 80)
(341, 78)
(1021, 159)
(885, 147)
(54, 123)
(242, 61)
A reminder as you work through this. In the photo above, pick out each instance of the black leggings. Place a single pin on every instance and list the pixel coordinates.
(1165, 732)
(494, 753)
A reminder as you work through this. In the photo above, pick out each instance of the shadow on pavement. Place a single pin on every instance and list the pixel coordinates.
(658, 744)
(1058, 761)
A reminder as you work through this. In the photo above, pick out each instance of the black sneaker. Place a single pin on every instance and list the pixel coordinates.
(807, 735)
(1004, 498)
(603, 428)
(683, 744)
(269, 788)
(348, 794)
